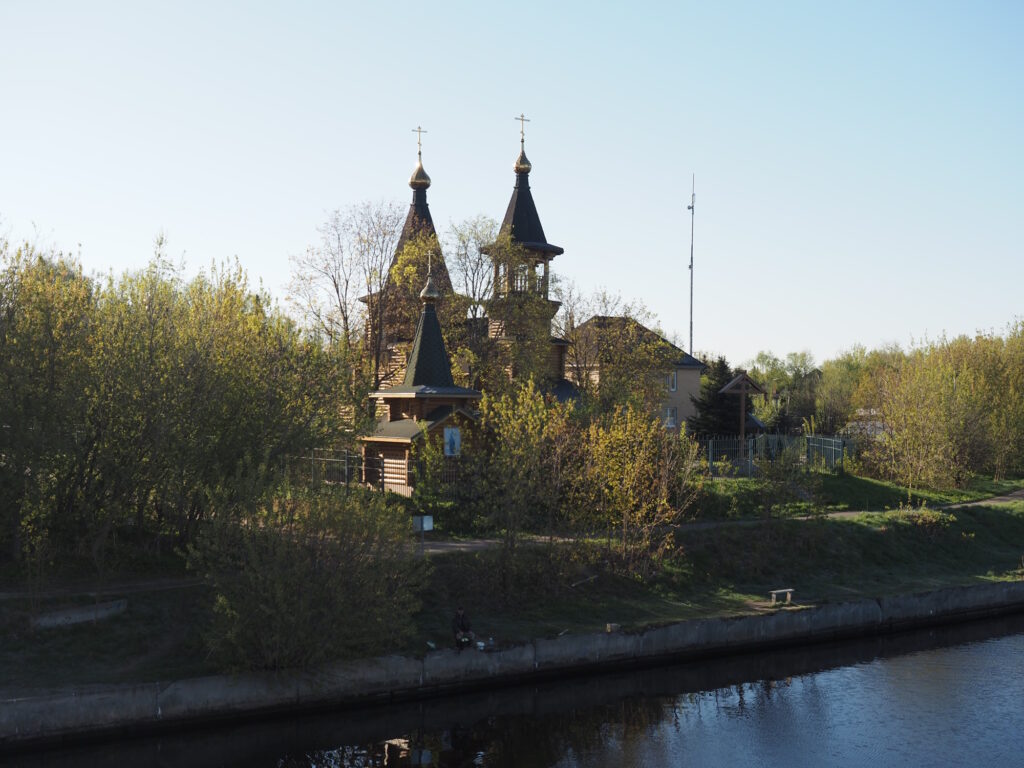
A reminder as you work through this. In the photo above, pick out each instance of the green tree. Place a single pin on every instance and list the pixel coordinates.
(307, 577)
(640, 480)
(716, 414)
(613, 355)
(524, 481)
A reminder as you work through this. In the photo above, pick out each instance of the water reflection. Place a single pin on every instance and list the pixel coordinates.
(945, 696)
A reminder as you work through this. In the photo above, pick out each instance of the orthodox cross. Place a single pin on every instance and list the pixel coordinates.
(419, 138)
(523, 120)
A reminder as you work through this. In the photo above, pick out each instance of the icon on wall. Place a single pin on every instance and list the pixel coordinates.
(452, 441)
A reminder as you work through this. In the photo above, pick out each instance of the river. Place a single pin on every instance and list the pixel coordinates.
(943, 697)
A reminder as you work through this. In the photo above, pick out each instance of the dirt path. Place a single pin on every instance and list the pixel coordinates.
(1008, 498)
(103, 590)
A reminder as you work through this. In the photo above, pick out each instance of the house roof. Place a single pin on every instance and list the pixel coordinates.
(522, 222)
(639, 333)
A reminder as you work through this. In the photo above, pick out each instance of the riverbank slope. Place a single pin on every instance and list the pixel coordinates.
(101, 711)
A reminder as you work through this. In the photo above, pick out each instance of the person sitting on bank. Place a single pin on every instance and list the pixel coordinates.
(461, 628)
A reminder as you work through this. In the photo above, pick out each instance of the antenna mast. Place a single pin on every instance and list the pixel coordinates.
(693, 202)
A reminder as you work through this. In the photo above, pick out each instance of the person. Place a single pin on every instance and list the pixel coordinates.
(462, 629)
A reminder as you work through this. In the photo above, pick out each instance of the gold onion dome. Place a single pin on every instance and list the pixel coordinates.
(429, 292)
(522, 164)
(419, 178)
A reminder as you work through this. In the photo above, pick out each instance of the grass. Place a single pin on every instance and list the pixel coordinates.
(730, 569)
(870, 555)
(157, 638)
(849, 492)
(741, 498)
(717, 571)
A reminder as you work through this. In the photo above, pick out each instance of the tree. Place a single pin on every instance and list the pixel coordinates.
(639, 477)
(840, 378)
(325, 282)
(613, 356)
(526, 466)
(373, 230)
(131, 406)
(471, 267)
(716, 414)
(790, 386)
(307, 577)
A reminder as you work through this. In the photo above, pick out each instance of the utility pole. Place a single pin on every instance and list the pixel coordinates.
(693, 202)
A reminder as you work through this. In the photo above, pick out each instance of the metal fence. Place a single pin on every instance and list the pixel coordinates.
(826, 452)
(728, 455)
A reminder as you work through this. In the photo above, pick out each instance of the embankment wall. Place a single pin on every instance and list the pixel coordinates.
(98, 711)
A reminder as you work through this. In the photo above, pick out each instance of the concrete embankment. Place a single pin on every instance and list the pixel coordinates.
(106, 710)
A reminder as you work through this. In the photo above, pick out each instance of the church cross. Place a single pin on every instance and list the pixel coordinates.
(419, 138)
(523, 120)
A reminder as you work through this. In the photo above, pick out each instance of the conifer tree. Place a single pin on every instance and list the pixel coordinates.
(717, 414)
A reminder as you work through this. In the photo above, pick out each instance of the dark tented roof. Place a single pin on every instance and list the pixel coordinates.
(428, 362)
(522, 223)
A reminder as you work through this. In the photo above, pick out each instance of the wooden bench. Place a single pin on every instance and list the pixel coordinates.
(776, 592)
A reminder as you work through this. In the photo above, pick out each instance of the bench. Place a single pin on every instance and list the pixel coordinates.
(776, 592)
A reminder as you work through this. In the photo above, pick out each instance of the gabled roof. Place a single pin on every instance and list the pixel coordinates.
(742, 384)
(522, 222)
(616, 325)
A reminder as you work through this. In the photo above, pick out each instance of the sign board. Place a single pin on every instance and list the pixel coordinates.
(422, 523)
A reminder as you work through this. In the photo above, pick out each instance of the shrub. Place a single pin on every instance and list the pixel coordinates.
(308, 577)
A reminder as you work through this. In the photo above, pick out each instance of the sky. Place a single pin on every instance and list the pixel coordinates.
(859, 166)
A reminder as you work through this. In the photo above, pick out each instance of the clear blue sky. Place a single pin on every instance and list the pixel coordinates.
(859, 165)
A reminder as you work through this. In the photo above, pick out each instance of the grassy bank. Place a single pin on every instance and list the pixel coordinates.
(730, 569)
(742, 498)
(718, 571)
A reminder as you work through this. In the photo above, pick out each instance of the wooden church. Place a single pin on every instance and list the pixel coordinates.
(427, 404)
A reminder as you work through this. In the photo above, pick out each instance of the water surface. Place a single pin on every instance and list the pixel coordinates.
(953, 696)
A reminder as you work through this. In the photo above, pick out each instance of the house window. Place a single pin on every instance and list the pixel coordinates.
(673, 381)
(671, 416)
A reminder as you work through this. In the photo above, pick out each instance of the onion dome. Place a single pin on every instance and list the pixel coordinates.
(419, 178)
(429, 292)
(522, 164)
